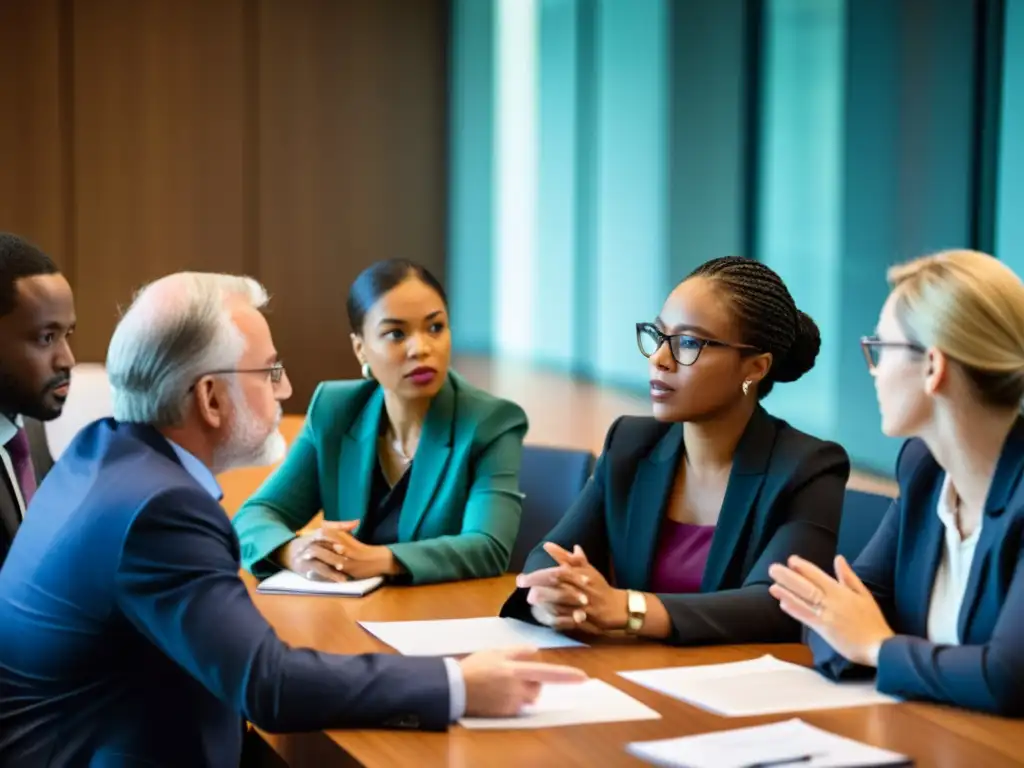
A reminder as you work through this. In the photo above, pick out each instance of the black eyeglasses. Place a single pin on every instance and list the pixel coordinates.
(685, 348)
(872, 347)
(276, 373)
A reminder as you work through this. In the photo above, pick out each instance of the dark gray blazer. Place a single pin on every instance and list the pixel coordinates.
(785, 496)
(10, 514)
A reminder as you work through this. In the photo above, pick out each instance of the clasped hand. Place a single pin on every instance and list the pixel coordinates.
(573, 595)
(332, 553)
(841, 610)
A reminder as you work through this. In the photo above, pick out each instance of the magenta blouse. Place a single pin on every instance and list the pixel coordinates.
(680, 557)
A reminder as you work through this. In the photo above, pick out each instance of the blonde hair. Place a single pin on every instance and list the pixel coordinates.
(970, 306)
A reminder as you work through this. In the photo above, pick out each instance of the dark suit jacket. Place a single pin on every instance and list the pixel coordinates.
(127, 637)
(10, 513)
(985, 672)
(785, 496)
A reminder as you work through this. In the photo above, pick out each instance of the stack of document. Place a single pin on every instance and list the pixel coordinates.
(592, 701)
(290, 583)
(454, 637)
(761, 686)
(790, 743)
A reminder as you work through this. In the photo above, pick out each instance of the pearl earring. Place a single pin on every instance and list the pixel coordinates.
(367, 373)
(746, 387)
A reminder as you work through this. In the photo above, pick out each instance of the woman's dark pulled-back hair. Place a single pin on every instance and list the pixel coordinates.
(381, 277)
(767, 316)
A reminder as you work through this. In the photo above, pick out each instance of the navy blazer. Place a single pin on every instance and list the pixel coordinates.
(985, 672)
(127, 637)
(784, 496)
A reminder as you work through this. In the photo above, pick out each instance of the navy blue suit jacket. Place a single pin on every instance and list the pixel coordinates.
(985, 672)
(127, 637)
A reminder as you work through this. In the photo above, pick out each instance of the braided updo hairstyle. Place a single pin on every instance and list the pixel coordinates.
(767, 315)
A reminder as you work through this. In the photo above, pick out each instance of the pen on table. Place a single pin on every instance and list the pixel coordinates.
(783, 761)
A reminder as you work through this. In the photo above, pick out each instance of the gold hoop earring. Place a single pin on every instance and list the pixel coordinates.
(367, 373)
(746, 387)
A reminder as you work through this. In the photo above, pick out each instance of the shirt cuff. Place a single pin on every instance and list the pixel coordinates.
(456, 690)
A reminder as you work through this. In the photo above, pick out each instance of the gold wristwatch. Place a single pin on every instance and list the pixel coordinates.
(636, 610)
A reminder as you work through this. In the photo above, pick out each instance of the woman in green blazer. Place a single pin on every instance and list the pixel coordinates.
(416, 471)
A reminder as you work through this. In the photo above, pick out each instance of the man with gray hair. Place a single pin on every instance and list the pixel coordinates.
(126, 635)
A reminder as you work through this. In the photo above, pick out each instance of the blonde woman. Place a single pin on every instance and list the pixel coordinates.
(935, 604)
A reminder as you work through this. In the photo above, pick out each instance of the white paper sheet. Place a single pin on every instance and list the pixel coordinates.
(792, 741)
(452, 637)
(291, 583)
(761, 686)
(592, 701)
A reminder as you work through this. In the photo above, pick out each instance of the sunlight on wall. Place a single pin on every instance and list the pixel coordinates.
(515, 204)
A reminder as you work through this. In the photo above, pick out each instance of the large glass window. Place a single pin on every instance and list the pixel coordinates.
(603, 148)
(800, 184)
(1010, 174)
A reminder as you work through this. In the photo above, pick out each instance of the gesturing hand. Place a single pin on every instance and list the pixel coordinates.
(500, 683)
(334, 554)
(574, 594)
(843, 611)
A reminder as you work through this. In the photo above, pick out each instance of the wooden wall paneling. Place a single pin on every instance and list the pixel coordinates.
(159, 132)
(33, 160)
(352, 135)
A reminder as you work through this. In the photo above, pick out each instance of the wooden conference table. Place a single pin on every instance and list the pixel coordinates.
(932, 735)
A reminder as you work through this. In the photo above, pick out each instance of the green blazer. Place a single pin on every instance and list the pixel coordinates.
(461, 512)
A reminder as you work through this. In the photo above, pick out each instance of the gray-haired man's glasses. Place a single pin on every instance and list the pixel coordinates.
(276, 373)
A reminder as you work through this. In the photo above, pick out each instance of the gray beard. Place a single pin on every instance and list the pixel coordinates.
(247, 445)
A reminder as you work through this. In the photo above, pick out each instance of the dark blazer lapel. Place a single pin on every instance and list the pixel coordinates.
(989, 535)
(919, 574)
(654, 477)
(355, 460)
(431, 459)
(10, 513)
(748, 469)
(1004, 484)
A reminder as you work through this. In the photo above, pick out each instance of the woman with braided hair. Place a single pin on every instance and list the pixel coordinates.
(672, 537)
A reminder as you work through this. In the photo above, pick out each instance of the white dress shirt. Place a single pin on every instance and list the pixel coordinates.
(953, 572)
(8, 429)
